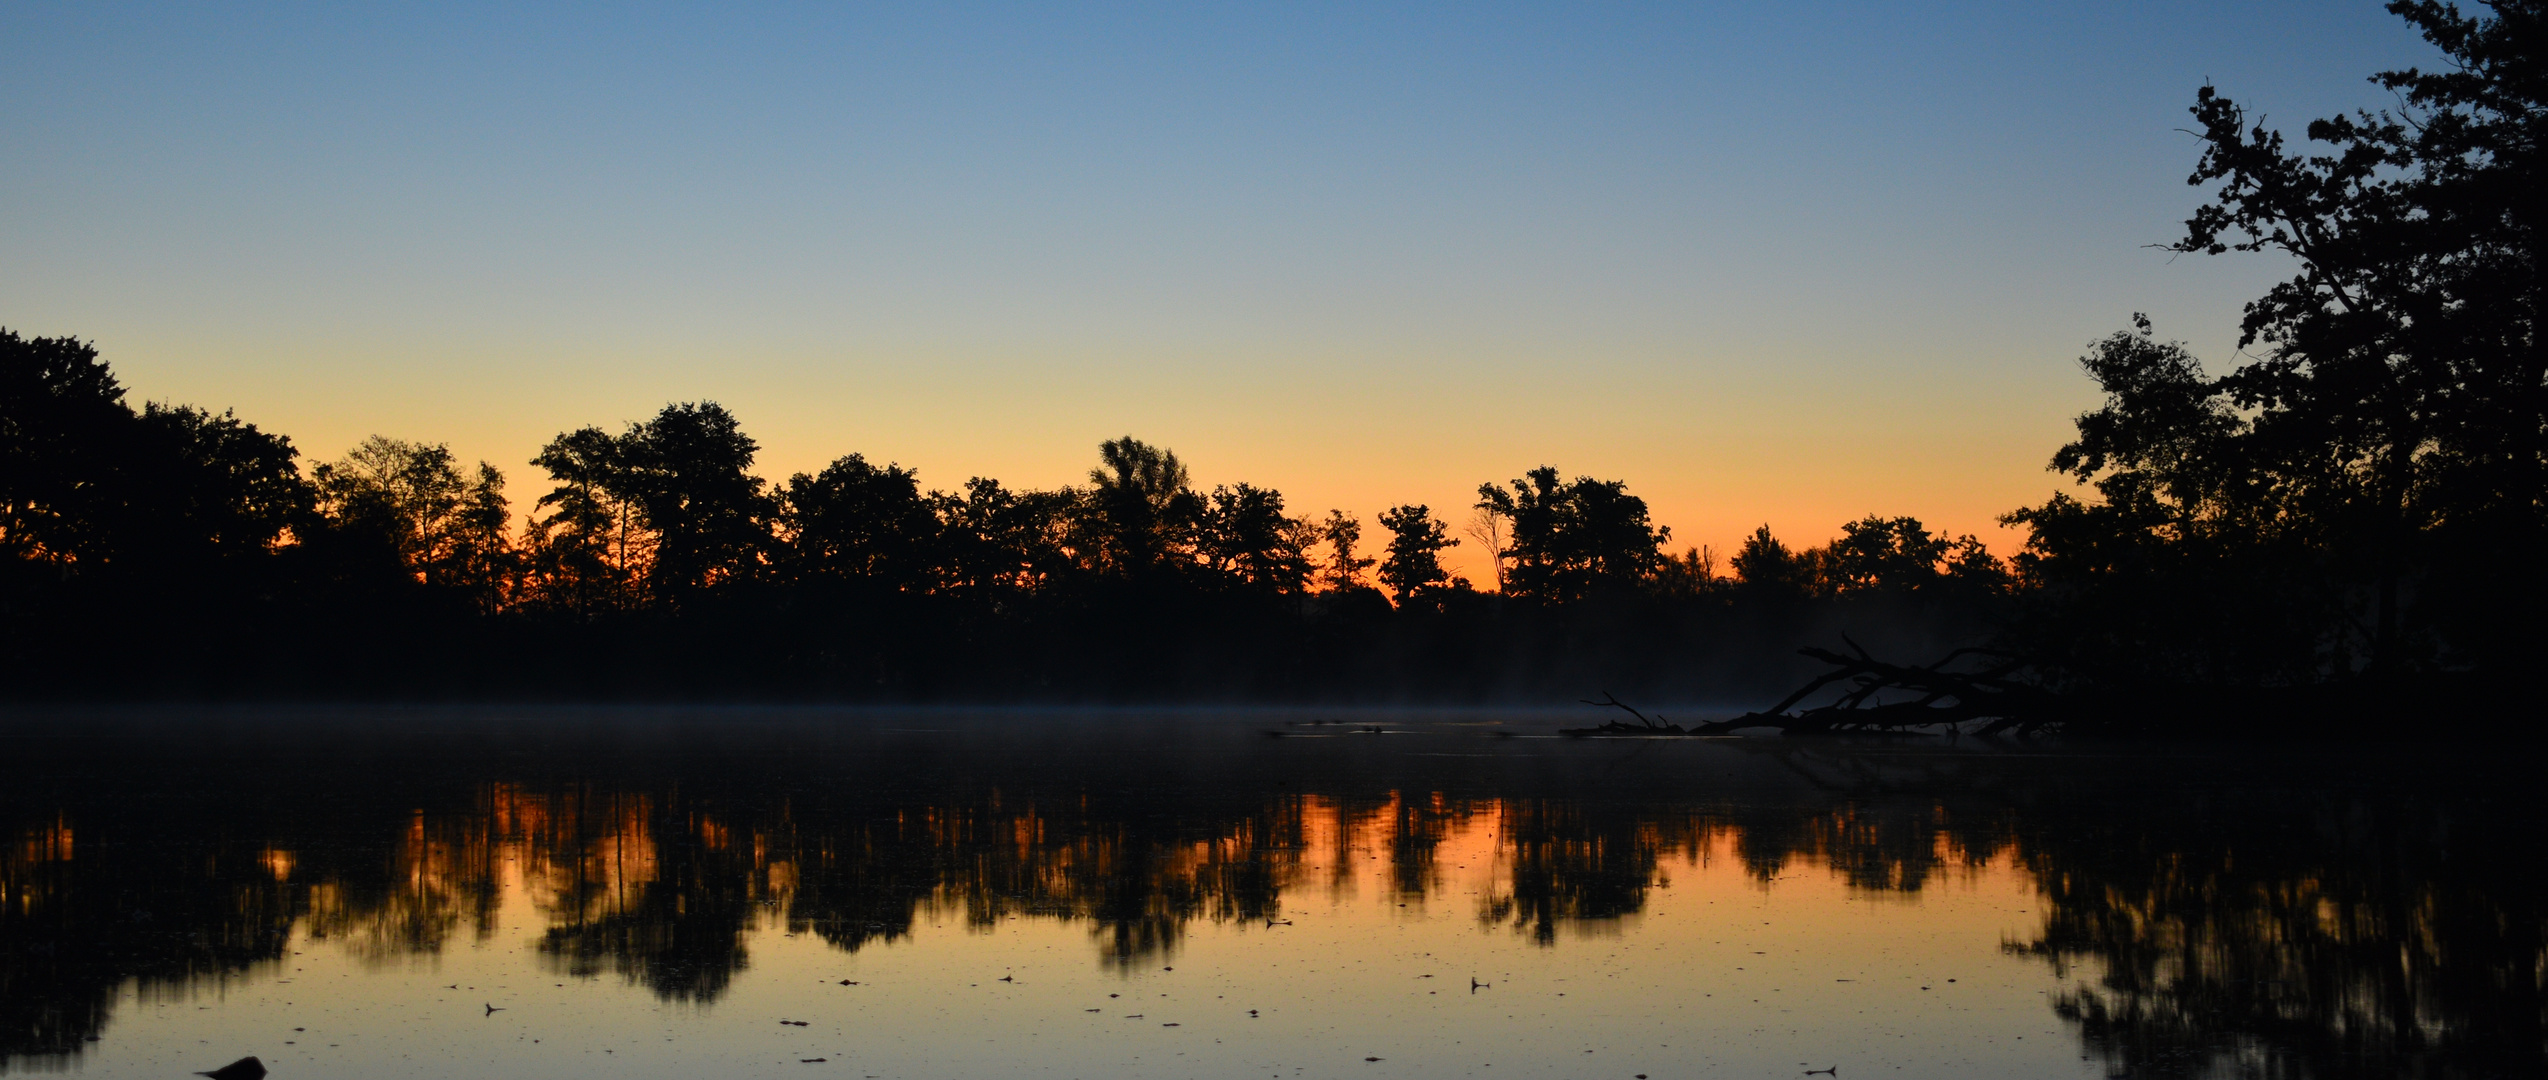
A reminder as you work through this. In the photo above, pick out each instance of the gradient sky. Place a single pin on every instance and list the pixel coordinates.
(1786, 263)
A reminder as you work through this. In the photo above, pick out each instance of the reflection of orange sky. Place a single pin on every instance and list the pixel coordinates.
(51, 843)
(22, 890)
(1633, 913)
(574, 858)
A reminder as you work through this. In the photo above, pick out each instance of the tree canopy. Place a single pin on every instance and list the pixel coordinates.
(2364, 495)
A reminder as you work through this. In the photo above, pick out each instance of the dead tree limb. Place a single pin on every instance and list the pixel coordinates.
(1657, 726)
(1982, 688)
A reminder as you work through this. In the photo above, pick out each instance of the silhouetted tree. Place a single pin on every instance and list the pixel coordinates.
(2397, 410)
(62, 421)
(1970, 568)
(855, 522)
(1487, 528)
(996, 544)
(1244, 533)
(1690, 575)
(479, 557)
(206, 486)
(1571, 539)
(1890, 554)
(87, 484)
(446, 530)
(593, 549)
(1765, 566)
(2193, 564)
(688, 472)
(1141, 503)
(1342, 532)
(1412, 569)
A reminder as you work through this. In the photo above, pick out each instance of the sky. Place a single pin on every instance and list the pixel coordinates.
(1769, 264)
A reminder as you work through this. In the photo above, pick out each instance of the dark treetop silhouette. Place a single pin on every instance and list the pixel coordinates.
(172, 551)
(2365, 496)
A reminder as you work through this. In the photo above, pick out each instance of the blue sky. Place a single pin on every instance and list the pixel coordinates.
(1785, 263)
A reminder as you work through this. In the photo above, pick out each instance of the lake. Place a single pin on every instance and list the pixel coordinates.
(682, 892)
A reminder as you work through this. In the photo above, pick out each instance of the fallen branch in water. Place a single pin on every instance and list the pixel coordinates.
(1941, 697)
(1643, 726)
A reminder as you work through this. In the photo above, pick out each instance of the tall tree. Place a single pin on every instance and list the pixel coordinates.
(592, 549)
(1571, 539)
(1244, 533)
(86, 483)
(206, 486)
(689, 472)
(62, 421)
(1412, 567)
(855, 522)
(448, 530)
(998, 545)
(1487, 528)
(1766, 566)
(1888, 554)
(2199, 560)
(1343, 532)
(1141, 503)
(2400, 402)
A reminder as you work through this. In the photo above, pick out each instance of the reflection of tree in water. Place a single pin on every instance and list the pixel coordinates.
(2339, 943)
(1417, 829)
(1569, 864)
(2227, 934)
(657, 893)
(169, 913)
(1137, 879)
(440, 878)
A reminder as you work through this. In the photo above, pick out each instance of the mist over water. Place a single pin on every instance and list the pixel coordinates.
(719, 891)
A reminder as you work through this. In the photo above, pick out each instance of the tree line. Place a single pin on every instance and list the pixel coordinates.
(176, 517)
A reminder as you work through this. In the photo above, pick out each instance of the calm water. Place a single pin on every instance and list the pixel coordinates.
(804, 893)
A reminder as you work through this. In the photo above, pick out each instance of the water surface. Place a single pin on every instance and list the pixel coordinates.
(419, 892)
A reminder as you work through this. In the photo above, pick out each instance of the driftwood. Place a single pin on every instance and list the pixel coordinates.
(1643, 726)
(1968, 691)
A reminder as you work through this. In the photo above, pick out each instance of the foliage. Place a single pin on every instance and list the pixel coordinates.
(2367, 495)
(854, 522)
(411, 499)
(2188, 567)
(1764, 565)
(1242, 533)
(1343, 532)
(1141, 503)
(89, 486)
(1412, 569)
(688, 472)
(61, 415)
(1573, 539)
(590, 553)
(657, 562)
